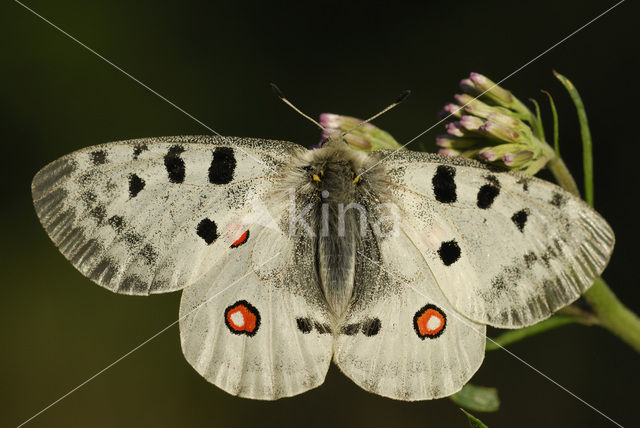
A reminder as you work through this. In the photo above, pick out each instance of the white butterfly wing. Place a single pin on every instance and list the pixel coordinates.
(152, 215)
(506, 249)
(401, 338)
(257, 325)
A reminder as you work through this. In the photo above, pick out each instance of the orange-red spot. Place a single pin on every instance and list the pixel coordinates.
(241, 240)
(242, 318)
(429, 321)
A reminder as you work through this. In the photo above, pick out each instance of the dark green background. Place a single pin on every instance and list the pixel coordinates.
(58, 328)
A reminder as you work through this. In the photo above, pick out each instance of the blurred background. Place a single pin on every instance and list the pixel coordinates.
(216, 61)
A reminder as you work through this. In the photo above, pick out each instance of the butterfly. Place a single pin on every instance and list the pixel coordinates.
(390, 264)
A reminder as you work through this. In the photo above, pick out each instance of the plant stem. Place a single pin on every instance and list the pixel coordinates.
(512, 336)
(563, 176)
(613, 315)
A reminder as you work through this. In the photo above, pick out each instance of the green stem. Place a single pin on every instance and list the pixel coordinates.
(613, 315)
(512, 336)
(563, 176)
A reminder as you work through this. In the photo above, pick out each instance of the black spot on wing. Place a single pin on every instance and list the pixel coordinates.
(547, 255)
(174, 164)
(89, 198)
(350, 329)
(136, 184)
(207, 230)
(449, 252)
(117, 222)
(492, 179)
(504, 281)
(322, 328)
(138, 149)
(524, 181)
(444, 185)
(520, 219)
(558, 200)
(486, 195)
(99, 212)
(304, 325)
(371, 327)
(222, 166)
(132, 239)
(98, 157)
(149, 254)
(529, 259)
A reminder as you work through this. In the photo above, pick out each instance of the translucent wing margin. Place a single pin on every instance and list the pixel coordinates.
(150, 215)
(506, 249)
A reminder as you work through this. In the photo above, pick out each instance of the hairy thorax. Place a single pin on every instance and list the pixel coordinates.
(341, 185)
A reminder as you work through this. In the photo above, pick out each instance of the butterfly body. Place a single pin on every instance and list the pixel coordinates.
(339, 199)
(389, 264)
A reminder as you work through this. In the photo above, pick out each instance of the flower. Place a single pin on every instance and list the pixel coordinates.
(490, 124)
(366, 137)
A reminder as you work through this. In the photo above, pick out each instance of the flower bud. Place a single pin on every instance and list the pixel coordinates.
(451, 110)
(471, 123)
(517, 159)
(503, 119)
(487, 89)
(492, 91)
(501, 132)
(365, 137)
(491, 154)
(458, 143)
(467, 86)
(494, 126)
(454, 128)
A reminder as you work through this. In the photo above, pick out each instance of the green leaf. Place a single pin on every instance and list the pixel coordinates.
(556, 127)
(473, 421)
(537, 126)
(477, 398)
(587, 153)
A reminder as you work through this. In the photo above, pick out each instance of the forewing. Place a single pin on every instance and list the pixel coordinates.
(506, 249)
(151, 215)
(257, 324)
(401, 338)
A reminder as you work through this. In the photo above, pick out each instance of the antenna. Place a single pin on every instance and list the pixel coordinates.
(403, 96)
(284, 99)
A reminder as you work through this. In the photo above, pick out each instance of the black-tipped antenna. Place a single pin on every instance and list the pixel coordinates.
(284, 99)
(403, 96)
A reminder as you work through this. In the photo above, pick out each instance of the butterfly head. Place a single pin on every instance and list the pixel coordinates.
(334, 169)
